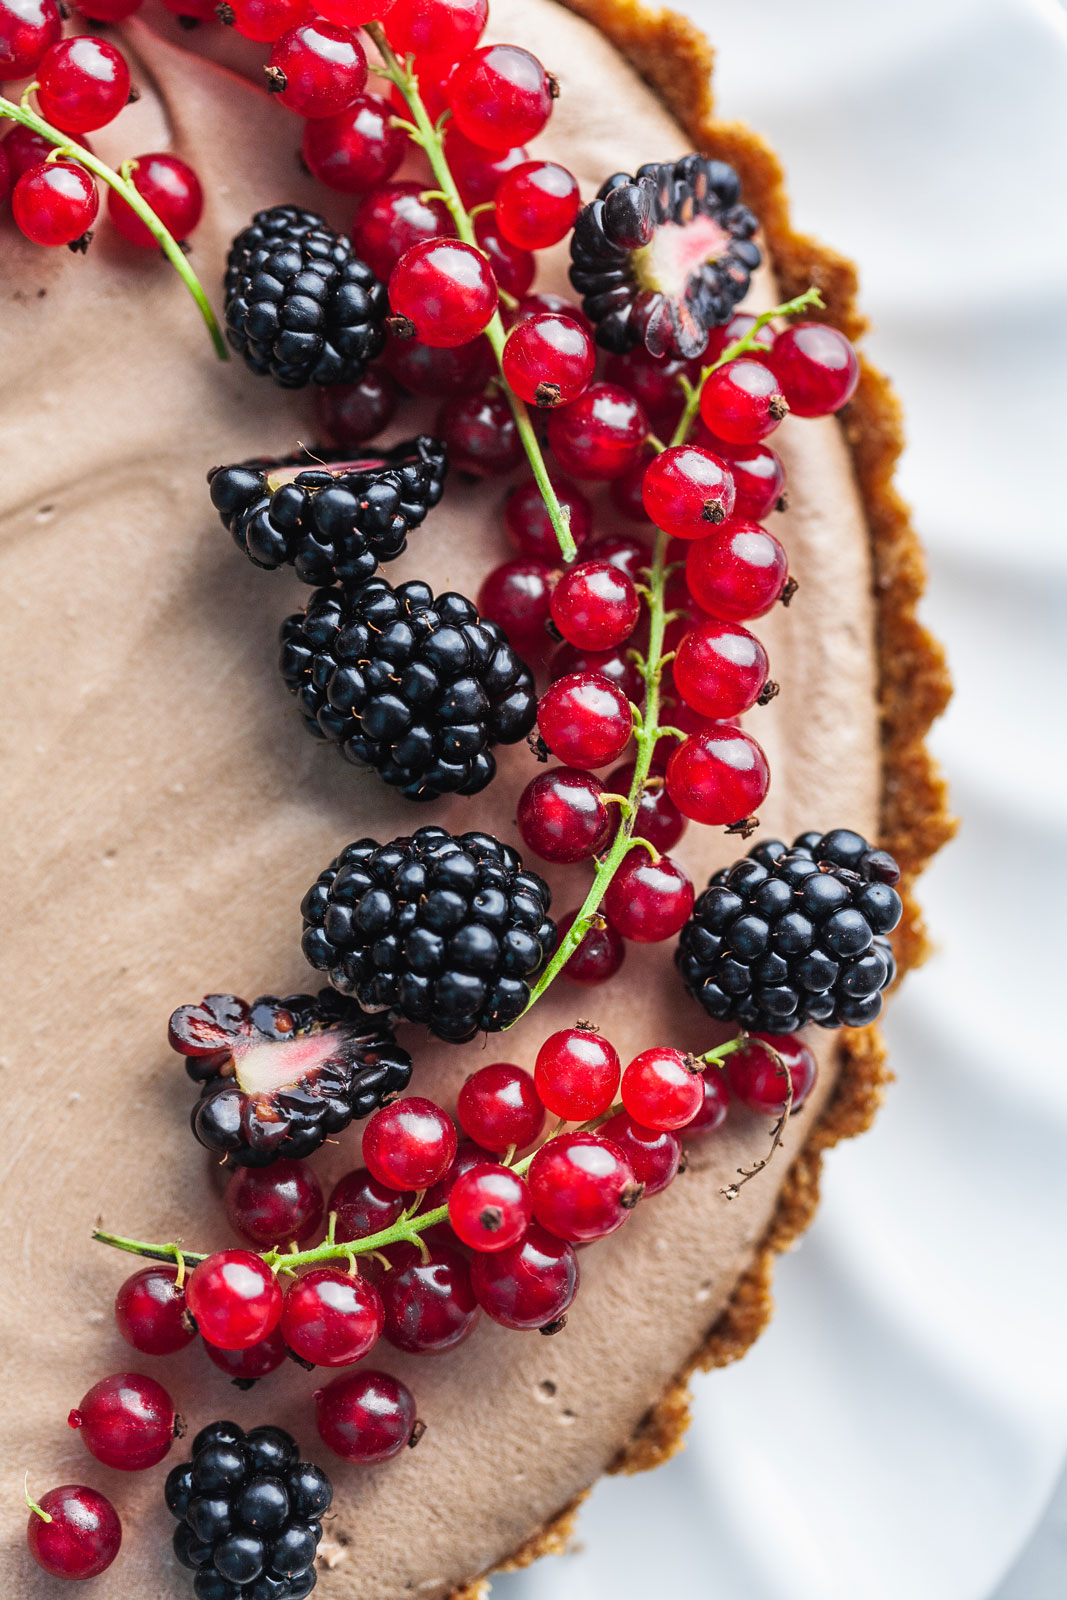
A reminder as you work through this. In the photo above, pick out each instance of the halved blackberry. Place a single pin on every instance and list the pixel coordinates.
(662, 257)
(415, 685)
(790, 935)
(277, 1077)
(335, 520)
(301, 307)
(448, 930)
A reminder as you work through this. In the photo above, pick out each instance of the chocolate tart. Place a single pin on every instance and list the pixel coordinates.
(169, 813)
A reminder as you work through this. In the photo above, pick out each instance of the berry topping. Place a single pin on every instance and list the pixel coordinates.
(331, 1318)
(577, 1073)
(235, 1299)
(582, 1187)
(529, 1285)
(126, 1421)
(658, 819)
(758, 474)
(500, 96)
(536, 204)
(489, 1207)
(173, 191)
(261, 20)
(150, 1312)
(757, 1080)
(595, 606)
(409, 1144)
(719, 775)
(55, 204)
(738, 573)
(816, 367)
(562, 817)
(662, 1088)
(364, 1206)
(499, 1107)
(480, 435)
(528, 524)
(516, 595)
(548, 360)
(716, 1103)
(742, 402)
(720, 669)
(443, 291)
(585, 720)
(246, 1367)
(686, 491)
(351, 413)
(391, 219)
(654, 1154)
(356, 148)
(429, 1302)
(317, 69)
(596, 957)
(366, 1416)
(73, 1531)
(648, 901)
(600, 434)
(27, 29)
(446, 29)
(274, 1205)
(82, 83)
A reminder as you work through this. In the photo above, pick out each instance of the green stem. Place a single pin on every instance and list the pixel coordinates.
(169, 245)
(429, 138)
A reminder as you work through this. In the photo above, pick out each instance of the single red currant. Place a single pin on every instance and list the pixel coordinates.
(720, 669)
(529, 526)
(55, 204)
(663, 1088)
(429, 1302)
(332, 1318)
(615, 665)
(625, 551)
(516, 596)
(445, 290)
(658, 819)
(73, 1532)
(274, 1205)
(648, 901)
(443, 28)
(654, 380)
(364, 1206)
(716, 1103)
(536, 204)
(582, 1187)
(25, 149)
(595, 606)
(529, 1285)
(512, 268)
(757, 1079)
(719, 775)
(596, 957)
(489, 1207)
(150, 1312)
(82, 83)
(562, 816)
(432, 373)
(499, 1107)
(478, 173)
(351, 413)
(577, 1073)
(173, 191)
(654, 1154)
(742, 402)
(365, 1416)
(627, 491)
(355, 149)
(500, 96)
(757, 471)
(126, 1421)
(235, 1299)
(548, 360)
(317, 69)
(687, 490)
(246, 1366)
(816, 366)
(390, 220)
(728, 333)
(409, 1144)
(263, 20)
(27, 29)
(480, 434)
(600, 434)
(585, 720)
(737, 573)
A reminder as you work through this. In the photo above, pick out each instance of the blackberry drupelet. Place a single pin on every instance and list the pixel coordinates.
(278, 1077)
(333, 521)
(448, 930)
(301, 306)
(417, 686)
(794, 935)
(248, 1514)
(661, 258)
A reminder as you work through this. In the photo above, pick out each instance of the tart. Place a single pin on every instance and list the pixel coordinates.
(170, 821)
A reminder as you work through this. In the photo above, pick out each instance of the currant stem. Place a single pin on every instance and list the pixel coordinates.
(122, 186)
(429, 137)
(34, 1507)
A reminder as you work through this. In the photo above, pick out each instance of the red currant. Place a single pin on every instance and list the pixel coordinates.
(562, 816)
(443, 28)
(481, 435)
(529, 526)
(757, 471)
(577, 1073)
(82, 83)
(686, 490)
(686, 721)
(355, 149)
(548, 360)
(460, 372)
(716, 1103)
(596, 957)
(173, 191)
(658, 819)
(512, 268)
(332, 1318)
(25, 149)
(500, 96)
(756, 1079)
(742, 402)
(719, 775)
(615, 665)
(353, 13)
(499, 1107)
(317, 69)
(648, 901)
(467, 1155)
(390, 220)
(126, 1421)
(600, 434)
(55, 204)
(516, 596)
(409, 1144)
(532, 304)
(737, 573)
(235, 1299)
(720, 669)
(595, 606)
(728, 333)
(663, 1088)
(364, 1206)
(150, 1312)
(582, 1187)
(478, 173)
(654, 1154)
(654, 380)
(73, 1532)
(445, 289)
(429, 1303)
(585, 720)
(536, 204)
(816, 366)
(274, 1205)
(625, 551)
(27, 29)
(365, 1416)
(246, 1366)
(263, 20)
(627, 491)
(351, 413)
(489, 1207)
(529, 1285)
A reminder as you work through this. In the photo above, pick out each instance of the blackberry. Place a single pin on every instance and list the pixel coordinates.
(301, 306)
(662, 257)
(330, 521)
(449, 931)
(417, 686)
(278, 1077)
(249, 1514)
(790, 935)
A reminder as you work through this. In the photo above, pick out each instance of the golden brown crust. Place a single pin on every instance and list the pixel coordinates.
(675, 59)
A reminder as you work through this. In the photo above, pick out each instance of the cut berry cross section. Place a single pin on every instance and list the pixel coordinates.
(278, 1077)
(332, 521)
(663, 257)
(447, 929)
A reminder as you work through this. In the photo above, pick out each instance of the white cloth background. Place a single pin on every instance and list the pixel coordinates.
(899, 1430)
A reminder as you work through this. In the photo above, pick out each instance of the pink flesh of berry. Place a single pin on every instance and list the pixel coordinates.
(365, 1206)
(499, 1107)
(273, 1205)
(527, 521)
(27, 29)
(500, 96)
(512, 268)
(536, 204)
(719, 775)
(331, 1318)
(742, 402)
(55, 204)
(173, 191)
(720, 669)
(355, 149)
(595, 606)
(582, 1187)
(409, 1144)
(562, 817)
(82, 1536)
(429, 1304)
(445, 289)
(658, 818)
(516, 595)
(480, 434)
(661, 1089)
(816, 366)
(577, 1074)
(529, 1285)
(443, 28)
(323, 67)
(548, 360)
(738, 573)
(596, 957)
(258, 1361)
(600, 434)
(585, 720)
(391, 219)
(615, 665)
(126, 1421)
(266, 20)
(83, 83)
(235, 1299)
(686, 491)
(756, 1080)
(715, 1104)
(351, 413)
(365, 1416)
(654, 1154)
(478, 173)
(489, 1208)
(648, 901)
(149, 1310)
